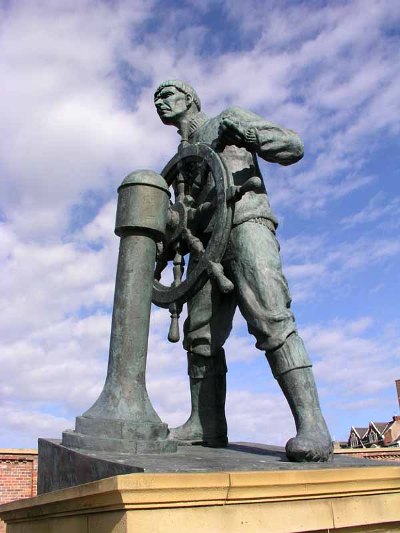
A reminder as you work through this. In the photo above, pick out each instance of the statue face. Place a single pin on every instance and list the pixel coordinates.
(171, 104)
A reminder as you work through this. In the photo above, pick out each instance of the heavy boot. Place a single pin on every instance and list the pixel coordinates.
(207, 423)
(191, 432)
(313, 441)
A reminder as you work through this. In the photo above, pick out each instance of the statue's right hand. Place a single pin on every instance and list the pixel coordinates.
(172, 218)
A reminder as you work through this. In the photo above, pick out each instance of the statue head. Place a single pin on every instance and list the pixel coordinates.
(175, 100)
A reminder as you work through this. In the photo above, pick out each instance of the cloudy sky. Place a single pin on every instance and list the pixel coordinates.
(77, 116)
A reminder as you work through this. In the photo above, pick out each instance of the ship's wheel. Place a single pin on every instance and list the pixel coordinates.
(201, 181)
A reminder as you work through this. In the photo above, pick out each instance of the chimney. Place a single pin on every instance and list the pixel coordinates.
(398, 390)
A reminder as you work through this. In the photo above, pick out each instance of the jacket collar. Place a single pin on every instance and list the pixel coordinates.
(196, 122)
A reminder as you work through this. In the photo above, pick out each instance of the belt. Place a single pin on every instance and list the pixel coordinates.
(264, 222)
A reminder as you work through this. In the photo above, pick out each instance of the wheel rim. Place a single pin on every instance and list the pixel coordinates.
(164, 295)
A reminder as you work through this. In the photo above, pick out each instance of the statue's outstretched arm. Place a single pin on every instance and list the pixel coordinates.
(270, 141)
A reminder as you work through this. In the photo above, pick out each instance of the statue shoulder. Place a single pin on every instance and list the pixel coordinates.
(238, 113)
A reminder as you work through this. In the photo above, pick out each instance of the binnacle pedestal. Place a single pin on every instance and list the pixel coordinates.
(123, 419)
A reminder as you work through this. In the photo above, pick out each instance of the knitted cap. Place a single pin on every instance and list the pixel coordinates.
(182, 86)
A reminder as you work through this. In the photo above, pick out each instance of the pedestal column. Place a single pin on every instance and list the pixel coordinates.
(123, 418)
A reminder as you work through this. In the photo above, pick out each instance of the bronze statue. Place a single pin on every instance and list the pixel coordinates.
(248, 274)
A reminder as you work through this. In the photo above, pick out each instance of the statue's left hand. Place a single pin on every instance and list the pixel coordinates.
(234, 132)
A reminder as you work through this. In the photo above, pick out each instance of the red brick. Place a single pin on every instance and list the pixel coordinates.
(18, 476)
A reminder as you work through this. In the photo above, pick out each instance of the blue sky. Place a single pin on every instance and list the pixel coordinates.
(77, 116)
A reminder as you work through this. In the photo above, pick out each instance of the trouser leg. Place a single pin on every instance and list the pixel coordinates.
(206, 329)
(264, 301)
(263, 297)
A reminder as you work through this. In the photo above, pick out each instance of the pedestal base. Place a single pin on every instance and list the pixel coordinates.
(97, 434)
(72, 439)
(320, 500)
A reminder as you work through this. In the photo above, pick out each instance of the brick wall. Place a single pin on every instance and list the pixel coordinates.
(18, 476)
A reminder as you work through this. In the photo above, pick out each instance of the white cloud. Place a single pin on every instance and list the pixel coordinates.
(357, 358)
(61, 365)
(313, 263)
(20, 425)
(259, 417)
(66, 130)
(43, 282)
(378, 209)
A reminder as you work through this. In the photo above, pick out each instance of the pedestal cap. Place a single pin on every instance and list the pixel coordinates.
(143, 200)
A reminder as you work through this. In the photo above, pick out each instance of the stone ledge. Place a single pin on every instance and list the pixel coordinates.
(18, 451)
(282, 501)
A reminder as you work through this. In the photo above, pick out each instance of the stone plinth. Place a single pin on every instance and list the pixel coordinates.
(333, 499)
(60, 467)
